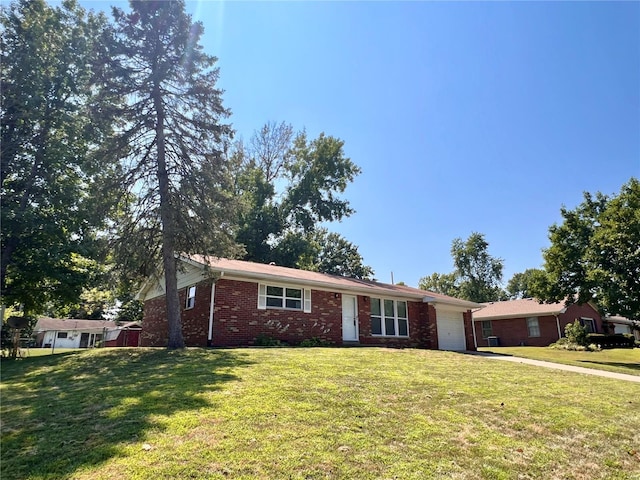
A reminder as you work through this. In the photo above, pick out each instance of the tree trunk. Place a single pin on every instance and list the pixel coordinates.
(169, 261)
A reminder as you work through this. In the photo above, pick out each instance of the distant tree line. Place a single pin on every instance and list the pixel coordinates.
(594, 256)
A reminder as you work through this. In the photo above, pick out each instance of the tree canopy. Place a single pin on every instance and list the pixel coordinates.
(50, 210)
(595, 253)
(525, 284)
(477, 274)
(289, 186)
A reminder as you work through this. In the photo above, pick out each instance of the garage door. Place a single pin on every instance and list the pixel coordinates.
(450, 330)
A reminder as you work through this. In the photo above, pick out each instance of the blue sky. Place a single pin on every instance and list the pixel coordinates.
(464, 117)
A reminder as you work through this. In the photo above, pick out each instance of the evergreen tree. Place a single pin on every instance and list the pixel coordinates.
(171, 142)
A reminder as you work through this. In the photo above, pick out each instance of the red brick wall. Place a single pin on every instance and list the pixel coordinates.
(468, 331)
(237, 320)
(195, 321)
(513, 331)
(576, 311)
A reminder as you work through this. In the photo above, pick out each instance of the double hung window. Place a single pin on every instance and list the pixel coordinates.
(533, 326)
(288, 298)
(191, 297)
(389, 318)
(487, 329)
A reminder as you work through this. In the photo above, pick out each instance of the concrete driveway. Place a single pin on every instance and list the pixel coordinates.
(558, 366)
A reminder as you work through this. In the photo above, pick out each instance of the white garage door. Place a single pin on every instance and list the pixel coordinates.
(450, 330)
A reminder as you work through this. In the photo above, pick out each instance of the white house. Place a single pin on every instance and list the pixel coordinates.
(70, 333)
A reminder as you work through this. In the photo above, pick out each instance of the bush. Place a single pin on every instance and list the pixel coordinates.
(314, 342)
(576, 333)
(618, 340)
(263, 340)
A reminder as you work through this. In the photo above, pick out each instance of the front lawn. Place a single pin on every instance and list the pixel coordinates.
(621, 360)
(364, 413)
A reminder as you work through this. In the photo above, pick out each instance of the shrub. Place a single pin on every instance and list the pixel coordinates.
(618, 340)
(314, 342)
(263, 340)
(576, 333)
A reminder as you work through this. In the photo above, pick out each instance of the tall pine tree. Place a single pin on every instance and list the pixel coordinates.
(171, 142)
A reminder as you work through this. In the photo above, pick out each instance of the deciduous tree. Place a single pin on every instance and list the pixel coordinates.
(595, 253)
(50, 209)
(288, 186)
(477, 274)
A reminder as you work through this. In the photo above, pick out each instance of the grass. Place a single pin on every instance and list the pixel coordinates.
(314, 413)
(620, 360)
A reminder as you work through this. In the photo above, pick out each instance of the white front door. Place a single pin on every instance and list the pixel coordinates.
(349, 318)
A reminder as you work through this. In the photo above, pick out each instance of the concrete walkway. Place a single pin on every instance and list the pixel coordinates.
(558, 366)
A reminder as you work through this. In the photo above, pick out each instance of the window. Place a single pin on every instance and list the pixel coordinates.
(589, 324)
(288, 298)
(487, 330)
(62, 334)
(191, 297)
(389, 318)
(533, 326)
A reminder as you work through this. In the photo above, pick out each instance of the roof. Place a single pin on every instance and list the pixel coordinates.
(526, 307)
(620, 320)
(69, 324)
(259, 271)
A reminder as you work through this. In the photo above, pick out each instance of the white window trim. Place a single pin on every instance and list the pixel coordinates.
(395, 317)
(591, 320)
(537, 324)
(188, 297)
(305, 300)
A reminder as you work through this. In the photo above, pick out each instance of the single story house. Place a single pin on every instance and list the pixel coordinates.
(234, 303)
(618, 324)
(70, 333)
(529, 322)
(125, 335)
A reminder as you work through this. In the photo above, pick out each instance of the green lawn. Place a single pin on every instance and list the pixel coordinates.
(362, 413)
(621, 360)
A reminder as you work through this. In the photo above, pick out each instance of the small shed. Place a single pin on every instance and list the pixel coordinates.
(125, 335)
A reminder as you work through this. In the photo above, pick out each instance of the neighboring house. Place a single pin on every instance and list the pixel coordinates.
(622, 325)
(529, 322)
(70, 333)
(125, 335)
(233, 303)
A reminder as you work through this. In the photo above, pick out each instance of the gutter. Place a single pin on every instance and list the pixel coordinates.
(558, 325)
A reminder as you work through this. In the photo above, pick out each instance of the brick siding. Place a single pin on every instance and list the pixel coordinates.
(514, 331)
(239, 322)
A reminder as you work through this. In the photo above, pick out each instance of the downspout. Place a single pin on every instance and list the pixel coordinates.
(558, 325)
(211, 309)
(473, 327)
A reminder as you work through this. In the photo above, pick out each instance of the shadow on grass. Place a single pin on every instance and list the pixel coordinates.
(64, 412)
(629, 365)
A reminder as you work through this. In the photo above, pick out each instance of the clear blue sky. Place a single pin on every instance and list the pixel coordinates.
(464, 117)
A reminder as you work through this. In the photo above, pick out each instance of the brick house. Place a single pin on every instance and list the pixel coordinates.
(529, 322)
(233, 302)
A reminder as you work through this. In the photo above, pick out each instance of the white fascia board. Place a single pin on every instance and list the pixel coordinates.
(453, 303)
(323, 286)
(521, 315)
